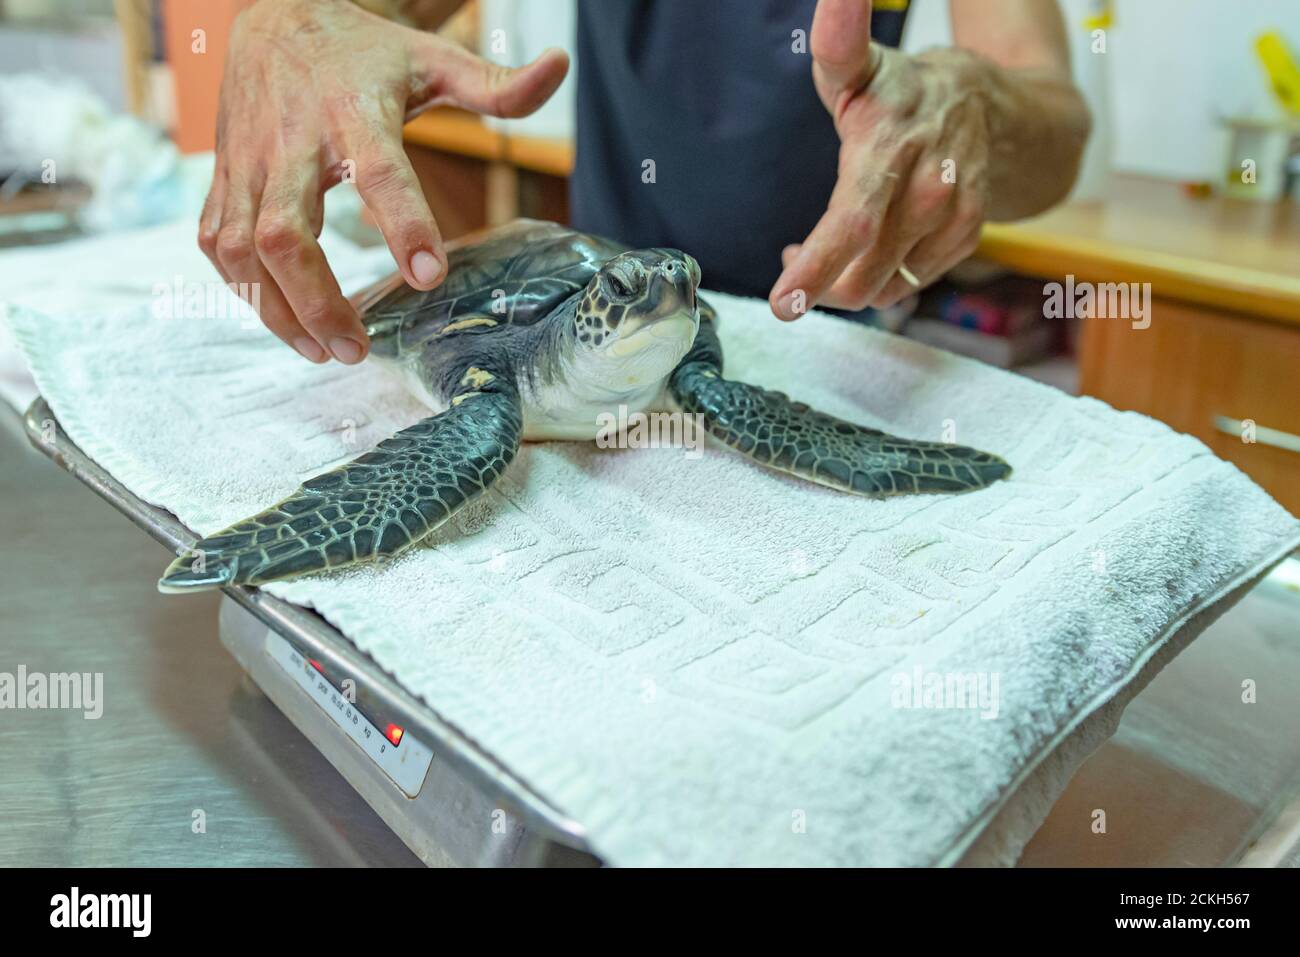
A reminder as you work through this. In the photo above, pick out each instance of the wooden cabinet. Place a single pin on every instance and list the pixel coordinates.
(1202, 372)
(1223, 344)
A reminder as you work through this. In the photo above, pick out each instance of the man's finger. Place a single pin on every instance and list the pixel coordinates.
(850, 226)
(857, 286)
(286, 247)
(235, 257)
(237, 260)
(391, 191)
(929, 260)
(456, 76)
(921, 206)
(840, 42)
(860, 283)
(210, 220)
(822, 256)
(277, 315)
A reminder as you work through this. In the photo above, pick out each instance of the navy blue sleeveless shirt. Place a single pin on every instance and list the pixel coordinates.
(718, 95)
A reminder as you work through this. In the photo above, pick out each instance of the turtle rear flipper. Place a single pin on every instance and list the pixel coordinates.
(791, 437)
(377, 505)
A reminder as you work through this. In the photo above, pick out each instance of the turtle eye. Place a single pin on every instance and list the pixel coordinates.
(624, 279)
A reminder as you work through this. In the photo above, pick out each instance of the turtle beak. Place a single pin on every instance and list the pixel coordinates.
(668, 313)
(671, 282)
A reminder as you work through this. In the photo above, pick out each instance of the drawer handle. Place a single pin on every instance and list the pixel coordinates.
(1263, 435)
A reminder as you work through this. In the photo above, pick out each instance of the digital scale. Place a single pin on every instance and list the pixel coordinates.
(447, 799)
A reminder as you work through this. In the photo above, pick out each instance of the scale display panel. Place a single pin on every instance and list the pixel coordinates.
(398, 754)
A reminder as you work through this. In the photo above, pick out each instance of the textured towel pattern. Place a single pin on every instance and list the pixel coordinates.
(695, 657)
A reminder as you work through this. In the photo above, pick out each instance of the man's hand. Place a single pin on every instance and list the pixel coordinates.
(316, 91)
(930, 145)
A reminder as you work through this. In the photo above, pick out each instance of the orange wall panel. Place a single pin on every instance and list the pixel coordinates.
(196, 67)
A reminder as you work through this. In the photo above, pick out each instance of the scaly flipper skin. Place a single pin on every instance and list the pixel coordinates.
(791, 437)
(377, 505)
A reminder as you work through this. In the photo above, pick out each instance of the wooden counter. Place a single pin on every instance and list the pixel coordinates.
(1221, 253)
(455, 131)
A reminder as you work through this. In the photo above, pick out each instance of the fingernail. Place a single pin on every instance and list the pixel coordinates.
(785, 306)
(346, 351)
(425, 267)
(309, 349)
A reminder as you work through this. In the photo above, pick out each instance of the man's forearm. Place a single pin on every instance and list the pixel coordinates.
(1018, 56)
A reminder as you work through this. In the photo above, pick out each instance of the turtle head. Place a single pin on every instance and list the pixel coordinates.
(638, 315)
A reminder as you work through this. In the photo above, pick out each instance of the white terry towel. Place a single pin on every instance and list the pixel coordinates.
(704, 661)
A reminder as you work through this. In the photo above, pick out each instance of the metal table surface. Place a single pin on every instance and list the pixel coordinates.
(182, 732)
(88, 588)
(1190, 778)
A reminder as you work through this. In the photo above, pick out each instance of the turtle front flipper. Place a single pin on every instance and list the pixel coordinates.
(791, 437)
(377, 505)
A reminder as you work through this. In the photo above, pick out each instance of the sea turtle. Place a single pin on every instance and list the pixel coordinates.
(536, 332)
